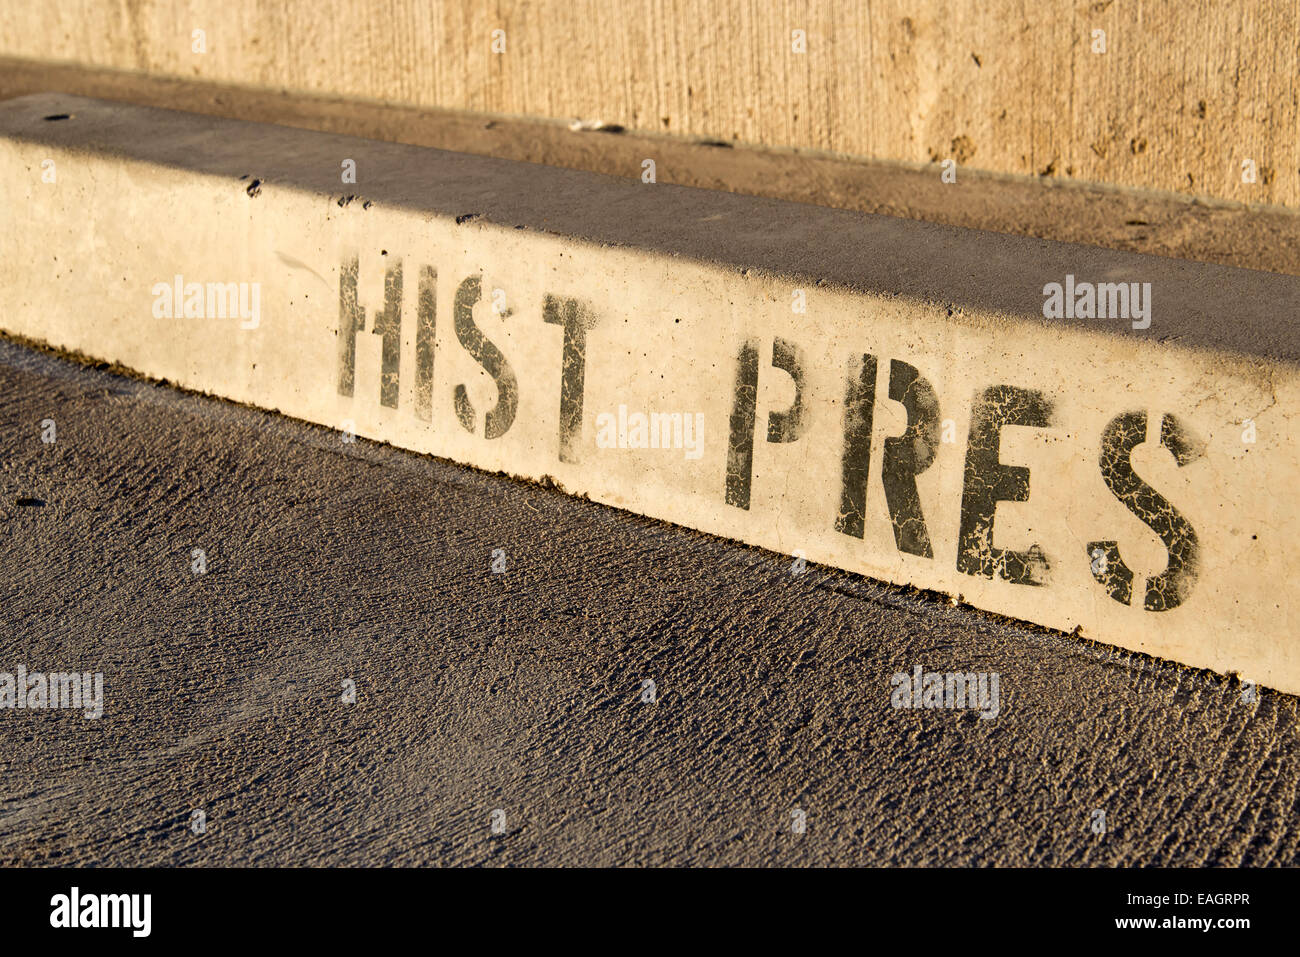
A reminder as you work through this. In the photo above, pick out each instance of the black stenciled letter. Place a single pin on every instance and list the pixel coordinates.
(859, 409)
(576, 319)
(425, 328)
(485, 353)
(908, 455)
(740, 441)
(789, 425)
(1171, 587)
(388, 323)
(352, 319)
(988, 481)
(782, 426)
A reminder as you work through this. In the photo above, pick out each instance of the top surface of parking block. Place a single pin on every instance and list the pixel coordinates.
(1193, 305)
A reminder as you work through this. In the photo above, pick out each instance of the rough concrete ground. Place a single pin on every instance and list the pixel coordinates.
(522, 691)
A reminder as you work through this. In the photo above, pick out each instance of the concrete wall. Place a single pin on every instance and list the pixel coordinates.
(1184, 93)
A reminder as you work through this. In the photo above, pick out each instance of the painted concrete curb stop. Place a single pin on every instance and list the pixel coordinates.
(926, 405)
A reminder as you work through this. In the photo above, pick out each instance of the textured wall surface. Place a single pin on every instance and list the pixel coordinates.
(1183, 95)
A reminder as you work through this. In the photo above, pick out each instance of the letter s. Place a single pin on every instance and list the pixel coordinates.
(1171, 587)
(485, 353)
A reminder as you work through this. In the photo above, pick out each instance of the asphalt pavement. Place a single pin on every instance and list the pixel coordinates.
(381, 658)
